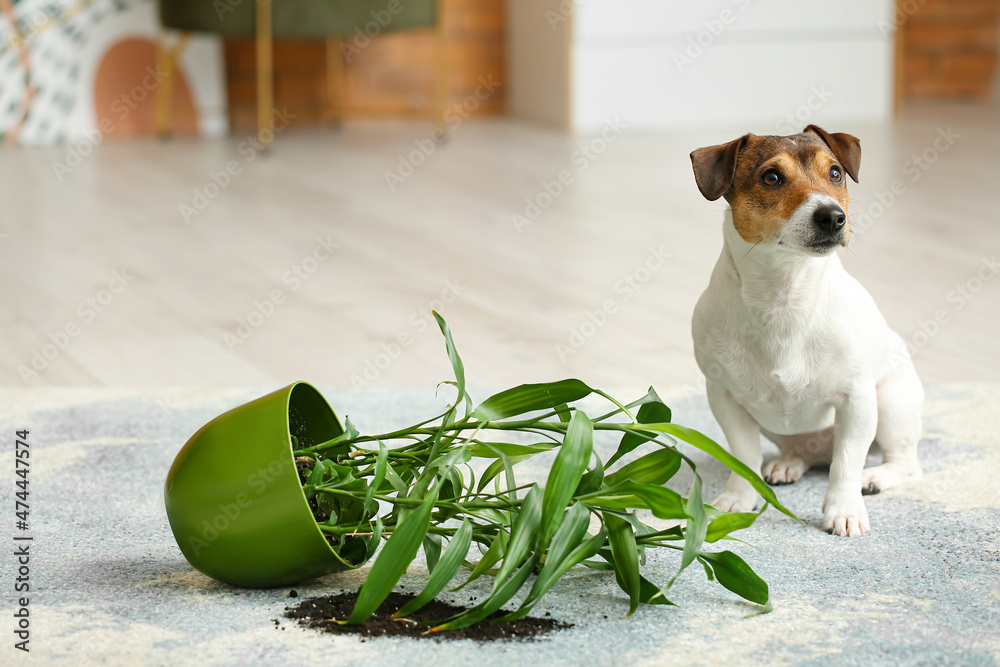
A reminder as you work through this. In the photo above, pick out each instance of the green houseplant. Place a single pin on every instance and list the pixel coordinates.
(278, 491)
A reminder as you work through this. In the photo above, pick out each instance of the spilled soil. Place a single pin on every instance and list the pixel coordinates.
(320, 614)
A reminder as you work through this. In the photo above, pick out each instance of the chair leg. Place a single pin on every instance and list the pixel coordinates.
(166, 62)
(265, 76)
(441, 83)
(898, 55)
(334, 114)
(165, 90)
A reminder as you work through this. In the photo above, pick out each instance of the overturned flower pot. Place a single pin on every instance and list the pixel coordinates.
(234, 498)
(277, 491)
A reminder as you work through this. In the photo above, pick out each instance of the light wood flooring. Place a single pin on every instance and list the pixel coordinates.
(445, 238)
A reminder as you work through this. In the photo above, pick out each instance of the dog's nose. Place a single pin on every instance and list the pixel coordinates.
(829, 218)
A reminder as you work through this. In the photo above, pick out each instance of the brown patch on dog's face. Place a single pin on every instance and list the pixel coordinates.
(775, 176)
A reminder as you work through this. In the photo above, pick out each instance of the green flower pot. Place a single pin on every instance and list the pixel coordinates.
(234, 498)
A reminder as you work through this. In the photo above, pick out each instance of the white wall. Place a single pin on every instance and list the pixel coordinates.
(769, 65)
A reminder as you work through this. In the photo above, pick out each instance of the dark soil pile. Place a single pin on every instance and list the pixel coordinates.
(320, 614)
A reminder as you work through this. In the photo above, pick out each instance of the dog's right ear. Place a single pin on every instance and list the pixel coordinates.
(715, 167)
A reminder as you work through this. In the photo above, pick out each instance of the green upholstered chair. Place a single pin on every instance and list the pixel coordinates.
(332, 20)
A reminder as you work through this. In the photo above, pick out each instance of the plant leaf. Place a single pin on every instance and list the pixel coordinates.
(654, 468)
(492, 450)
(566, 473)
(563, 412)
(315, 478)
(664, 503)
(451, 457)
(555, 568)
(487, 514)
(626, 557)
(592, 480)
(649, 593)
(456, 361)
(523, 534)
(328, 503)
(570, 532)
(395, 481)
(697, 525)
(507, 465)
(381, 465)
(497, 599)
(375, 539)
(529, 398)
(715, 450)
(732, 572)
(726, 523)
(654, 411)
(432, 550)
(399, 551)
(446, 569)
(498, 547)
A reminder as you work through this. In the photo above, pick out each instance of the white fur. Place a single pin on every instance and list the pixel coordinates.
(795, 348)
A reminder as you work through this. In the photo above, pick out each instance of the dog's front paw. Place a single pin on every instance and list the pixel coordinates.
(733, 501)
(784, 471)
(846, 517)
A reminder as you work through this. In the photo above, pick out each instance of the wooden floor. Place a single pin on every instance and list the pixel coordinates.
(106, 282)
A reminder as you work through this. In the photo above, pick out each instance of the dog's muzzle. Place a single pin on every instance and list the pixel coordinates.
(829, 223)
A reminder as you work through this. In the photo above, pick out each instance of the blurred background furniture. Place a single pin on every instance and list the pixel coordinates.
(346, 26)
(664, 66)
(551, 61)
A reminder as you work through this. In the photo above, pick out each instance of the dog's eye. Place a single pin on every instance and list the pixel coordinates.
(772, 178)
(836, 175)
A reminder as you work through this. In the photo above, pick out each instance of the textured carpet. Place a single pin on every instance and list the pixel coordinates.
(109, 584)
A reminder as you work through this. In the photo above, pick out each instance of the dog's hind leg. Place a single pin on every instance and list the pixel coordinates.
(799, 452)
(900, 404)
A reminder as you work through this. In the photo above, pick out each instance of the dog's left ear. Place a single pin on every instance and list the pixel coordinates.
(715, 167)
(845, 147)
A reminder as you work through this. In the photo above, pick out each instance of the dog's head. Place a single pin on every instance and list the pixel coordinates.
(791, 191)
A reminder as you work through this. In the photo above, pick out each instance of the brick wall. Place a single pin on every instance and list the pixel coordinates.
(391, 76)
(949, 48)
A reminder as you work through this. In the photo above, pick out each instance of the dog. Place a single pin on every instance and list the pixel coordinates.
(791, 345)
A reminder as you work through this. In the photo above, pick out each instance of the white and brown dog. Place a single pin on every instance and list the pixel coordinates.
(791, 345)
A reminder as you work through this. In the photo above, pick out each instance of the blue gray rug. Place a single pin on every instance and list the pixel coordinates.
(109, 585)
